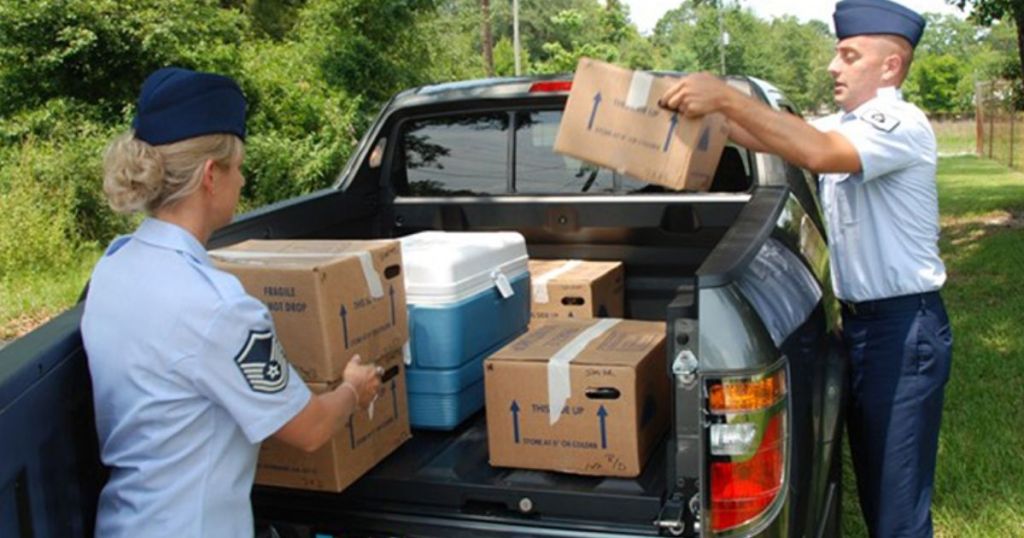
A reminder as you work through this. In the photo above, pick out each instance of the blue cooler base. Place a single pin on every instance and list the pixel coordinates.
(445, 411)
(441, 398)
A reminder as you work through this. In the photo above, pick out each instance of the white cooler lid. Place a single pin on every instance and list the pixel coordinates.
(447, 267)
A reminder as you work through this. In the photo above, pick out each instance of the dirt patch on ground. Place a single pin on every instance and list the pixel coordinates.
(23, 324)
(965, 230)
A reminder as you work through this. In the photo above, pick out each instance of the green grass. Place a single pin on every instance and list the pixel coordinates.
(979, 482)
(28, 299)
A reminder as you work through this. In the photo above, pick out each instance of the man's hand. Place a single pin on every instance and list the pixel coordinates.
(696, 95)
(364, 379)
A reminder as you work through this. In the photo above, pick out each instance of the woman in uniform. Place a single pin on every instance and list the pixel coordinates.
(172, 341)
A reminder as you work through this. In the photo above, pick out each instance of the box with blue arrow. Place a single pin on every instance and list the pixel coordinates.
(368, 437)
(579, 396)
(330, 299)
(612, 119)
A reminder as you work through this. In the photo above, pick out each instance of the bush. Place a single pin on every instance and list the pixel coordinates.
(60, 145)
(300, 128)
(36, 214)
(100, 51)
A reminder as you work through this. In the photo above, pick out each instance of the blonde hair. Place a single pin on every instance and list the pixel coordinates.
(138, 176)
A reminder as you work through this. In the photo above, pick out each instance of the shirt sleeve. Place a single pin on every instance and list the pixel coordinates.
(242, 367)
(825, 123)
(883, 142)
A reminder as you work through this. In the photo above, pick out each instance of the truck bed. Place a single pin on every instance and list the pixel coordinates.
(448, 473)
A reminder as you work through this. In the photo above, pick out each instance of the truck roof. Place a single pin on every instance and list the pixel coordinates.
(531, 86)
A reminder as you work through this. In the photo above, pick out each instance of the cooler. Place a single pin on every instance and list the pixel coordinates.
(467, 293)
(441, 398)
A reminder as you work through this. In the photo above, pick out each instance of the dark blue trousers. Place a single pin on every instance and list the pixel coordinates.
(900, 351)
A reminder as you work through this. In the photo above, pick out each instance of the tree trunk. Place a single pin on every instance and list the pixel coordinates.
(1018, 16)
(485, 7)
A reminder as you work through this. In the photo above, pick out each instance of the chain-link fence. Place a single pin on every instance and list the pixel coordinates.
(999, 123)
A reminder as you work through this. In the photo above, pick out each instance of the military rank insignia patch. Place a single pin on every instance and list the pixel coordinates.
(262, 362)
(880, 121)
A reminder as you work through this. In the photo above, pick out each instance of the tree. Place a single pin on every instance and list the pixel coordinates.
(373, 48)
(951, 55)
(988, 11)
(790, 54)
(485, 36)
(540, 25)
(934, 83)
(99, 52)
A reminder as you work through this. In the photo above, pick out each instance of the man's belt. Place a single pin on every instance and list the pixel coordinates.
(902, 303)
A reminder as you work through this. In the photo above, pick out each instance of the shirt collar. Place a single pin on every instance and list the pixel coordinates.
(163, 234)
(888, 93)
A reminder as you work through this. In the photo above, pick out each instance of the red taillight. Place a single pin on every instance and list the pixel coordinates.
(742, 490)
(551, 86)
(747, 432)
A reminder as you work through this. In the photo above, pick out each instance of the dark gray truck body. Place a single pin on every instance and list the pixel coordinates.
(721, 268)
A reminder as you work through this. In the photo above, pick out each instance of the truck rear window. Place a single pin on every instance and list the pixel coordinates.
(539, 170)
(455, 156)
(469, 155)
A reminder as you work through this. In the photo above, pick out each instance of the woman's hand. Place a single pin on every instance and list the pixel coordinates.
(364, 379)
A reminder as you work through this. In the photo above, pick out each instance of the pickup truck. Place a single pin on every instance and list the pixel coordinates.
(739, 274)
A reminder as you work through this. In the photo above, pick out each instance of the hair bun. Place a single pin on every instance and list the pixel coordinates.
(133, 174)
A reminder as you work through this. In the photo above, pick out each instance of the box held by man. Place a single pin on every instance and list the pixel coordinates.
(612, 119)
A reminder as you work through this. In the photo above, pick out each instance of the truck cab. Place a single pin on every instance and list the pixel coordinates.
(739, 274)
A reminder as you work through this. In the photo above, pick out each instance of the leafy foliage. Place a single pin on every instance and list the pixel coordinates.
(790, 54)
(987, 12)
(316, 71)
(100, 51)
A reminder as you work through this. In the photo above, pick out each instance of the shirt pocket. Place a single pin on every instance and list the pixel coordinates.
(848, 201)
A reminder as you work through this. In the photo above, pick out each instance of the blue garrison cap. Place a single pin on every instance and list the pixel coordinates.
(176, 104)
(867, 17)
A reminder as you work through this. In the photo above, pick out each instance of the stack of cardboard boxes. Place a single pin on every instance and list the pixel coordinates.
(604, 403)
(331, 301)
(606, 396)
(604, 400)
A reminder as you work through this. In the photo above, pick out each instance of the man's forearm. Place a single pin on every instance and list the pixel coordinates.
(787, 135)
(741, 137)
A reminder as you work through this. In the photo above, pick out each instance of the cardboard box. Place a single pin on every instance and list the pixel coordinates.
(563, 289)
(613, 119)
(579, 396)
(330, 300)
(362, 443)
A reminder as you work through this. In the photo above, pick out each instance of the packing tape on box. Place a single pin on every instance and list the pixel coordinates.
(559, 385)
(370, 274)
(639, 90)
(540, 284)
(373, 283)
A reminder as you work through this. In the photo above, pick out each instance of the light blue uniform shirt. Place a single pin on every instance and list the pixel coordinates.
(187, 380)
(884, 221)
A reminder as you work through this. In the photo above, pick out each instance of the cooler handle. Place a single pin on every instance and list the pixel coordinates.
(503, 285)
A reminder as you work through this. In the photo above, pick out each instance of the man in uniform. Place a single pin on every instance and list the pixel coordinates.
(876, 159)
